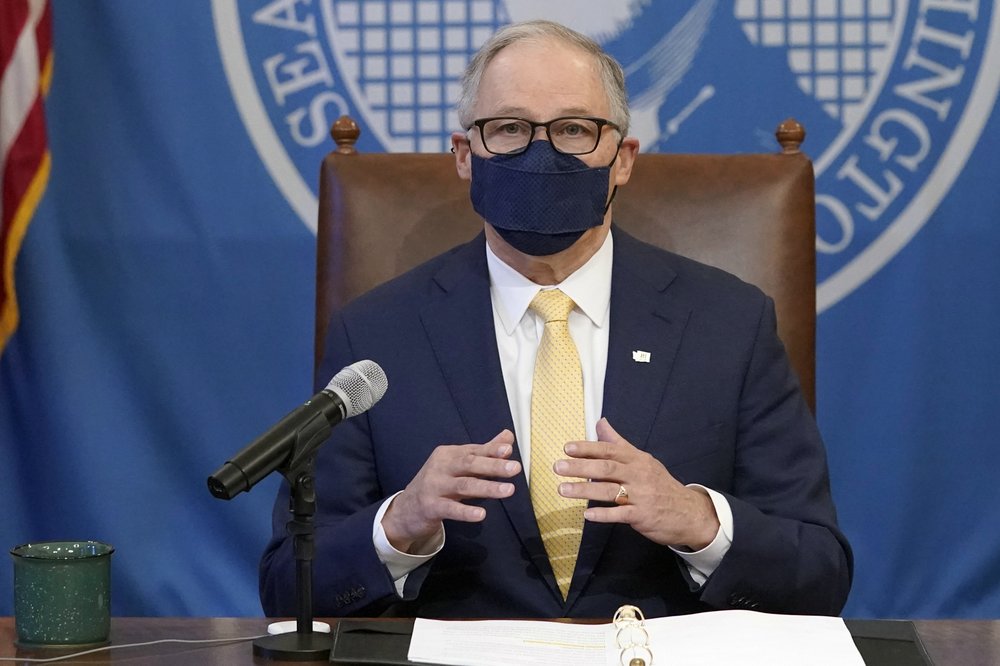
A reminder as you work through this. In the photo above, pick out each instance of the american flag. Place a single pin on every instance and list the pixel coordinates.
(25, 73)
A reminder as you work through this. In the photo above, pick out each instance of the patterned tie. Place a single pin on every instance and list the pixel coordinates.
(556, 418)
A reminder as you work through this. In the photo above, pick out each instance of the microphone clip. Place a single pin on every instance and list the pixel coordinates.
(307, 440)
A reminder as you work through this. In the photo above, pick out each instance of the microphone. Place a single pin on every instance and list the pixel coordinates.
(352, 391)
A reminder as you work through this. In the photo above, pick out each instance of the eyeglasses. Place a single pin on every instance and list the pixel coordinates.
(569, 135)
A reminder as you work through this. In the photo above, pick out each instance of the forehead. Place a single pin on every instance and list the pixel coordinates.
(541, 79)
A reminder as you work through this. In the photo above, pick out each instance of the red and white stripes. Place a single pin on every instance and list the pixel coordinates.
(25, 74)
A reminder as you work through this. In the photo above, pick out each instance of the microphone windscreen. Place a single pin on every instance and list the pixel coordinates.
(360, 385)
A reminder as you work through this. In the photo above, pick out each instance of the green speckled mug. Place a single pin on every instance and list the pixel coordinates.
(62, 593)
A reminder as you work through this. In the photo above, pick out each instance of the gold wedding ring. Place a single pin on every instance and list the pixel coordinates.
(621, 498)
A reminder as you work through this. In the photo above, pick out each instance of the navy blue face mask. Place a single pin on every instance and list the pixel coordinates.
(540, 201)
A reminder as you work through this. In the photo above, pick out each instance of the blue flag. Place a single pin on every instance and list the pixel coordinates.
(166, 283)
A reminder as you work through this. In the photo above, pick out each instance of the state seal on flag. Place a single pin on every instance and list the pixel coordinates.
(893, 94)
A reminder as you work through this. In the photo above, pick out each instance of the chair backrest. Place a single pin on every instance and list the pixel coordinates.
(752, 215)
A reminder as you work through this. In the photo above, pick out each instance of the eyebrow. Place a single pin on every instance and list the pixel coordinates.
(521, 112)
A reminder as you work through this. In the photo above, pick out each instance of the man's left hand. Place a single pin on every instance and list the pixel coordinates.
(659, 507)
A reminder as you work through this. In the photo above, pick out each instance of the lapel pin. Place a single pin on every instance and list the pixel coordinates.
(640, 356)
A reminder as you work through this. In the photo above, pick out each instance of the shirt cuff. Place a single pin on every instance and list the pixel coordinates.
(702, 563)
(398, 563)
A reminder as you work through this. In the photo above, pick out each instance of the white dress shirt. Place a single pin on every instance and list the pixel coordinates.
(519, 332)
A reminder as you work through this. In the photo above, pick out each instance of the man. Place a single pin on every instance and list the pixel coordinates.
(648, 444)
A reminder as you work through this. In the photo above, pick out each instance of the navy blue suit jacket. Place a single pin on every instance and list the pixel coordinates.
(718, 404)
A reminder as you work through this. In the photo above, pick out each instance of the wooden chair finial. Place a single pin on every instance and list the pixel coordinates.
(790, 135)
(345, 133)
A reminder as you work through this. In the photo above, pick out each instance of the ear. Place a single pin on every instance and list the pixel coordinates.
(626, 159)
(463, 155)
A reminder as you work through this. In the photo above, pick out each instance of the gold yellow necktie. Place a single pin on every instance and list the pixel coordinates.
(556, 418)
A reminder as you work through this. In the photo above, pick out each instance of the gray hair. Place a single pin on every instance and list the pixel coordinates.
(612, 76)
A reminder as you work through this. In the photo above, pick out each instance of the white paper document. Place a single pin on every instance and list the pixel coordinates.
(709, 639)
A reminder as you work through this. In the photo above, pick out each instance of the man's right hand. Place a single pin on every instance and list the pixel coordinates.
(451, 474)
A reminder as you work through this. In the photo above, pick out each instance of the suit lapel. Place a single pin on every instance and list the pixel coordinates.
(458, 319)
(644, 321)
(646, 330)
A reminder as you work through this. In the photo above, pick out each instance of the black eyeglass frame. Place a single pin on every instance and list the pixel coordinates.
(600, 122)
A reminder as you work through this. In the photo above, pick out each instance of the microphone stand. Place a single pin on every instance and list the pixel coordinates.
(303, 644)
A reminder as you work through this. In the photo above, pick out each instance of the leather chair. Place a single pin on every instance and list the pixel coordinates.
(752, 215)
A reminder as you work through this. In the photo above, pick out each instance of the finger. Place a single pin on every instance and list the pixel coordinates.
(475, 459)
(597, 469)
(504, 435)
(600, 491)
(467, 487)
(607, 433)
(615, 514)
(472, 464)
(620, 451)
(449, 509)
(593, 450)
(610, 445)
(501, 446)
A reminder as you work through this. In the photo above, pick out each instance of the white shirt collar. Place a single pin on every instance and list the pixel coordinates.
(589, 287)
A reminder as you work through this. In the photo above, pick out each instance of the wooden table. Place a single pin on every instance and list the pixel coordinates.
(972, 642)
(949, 642)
